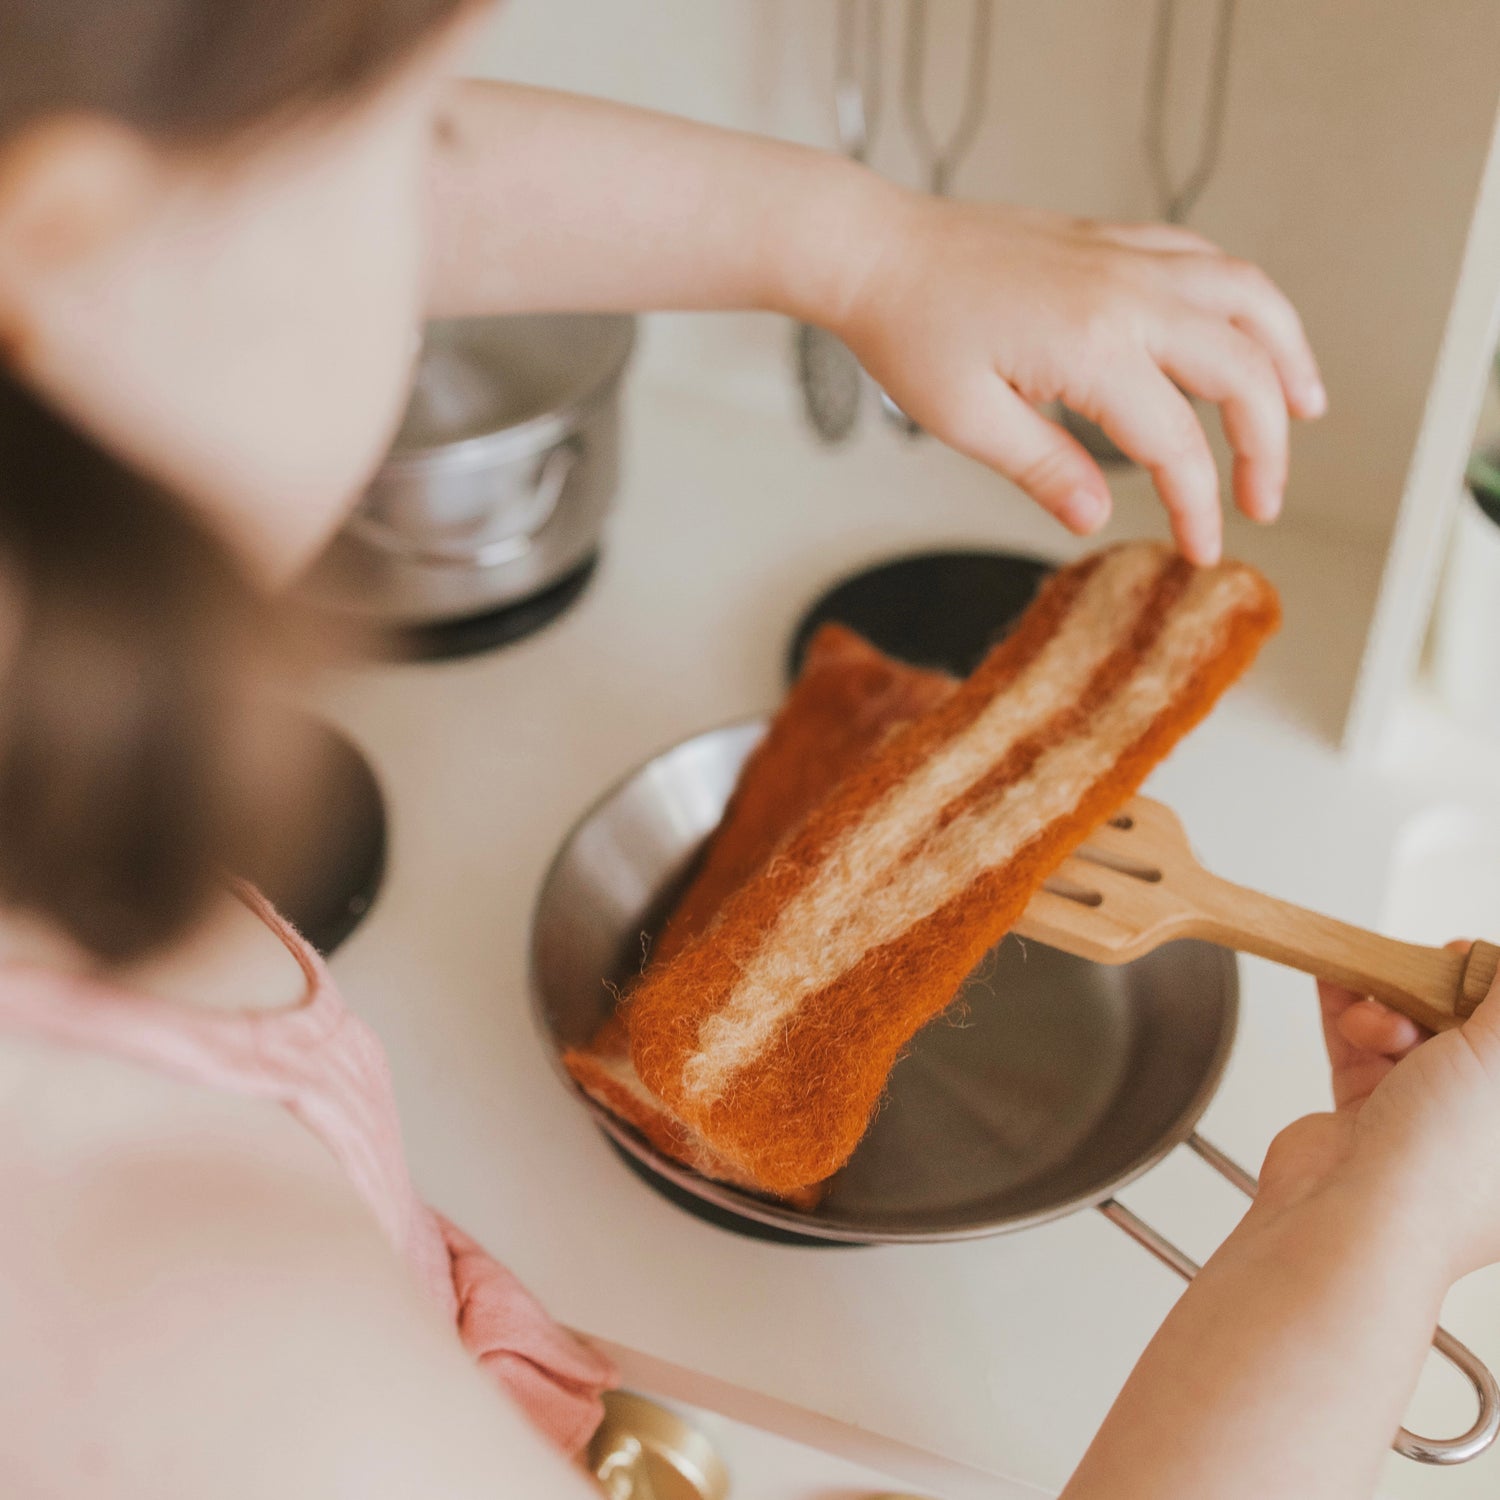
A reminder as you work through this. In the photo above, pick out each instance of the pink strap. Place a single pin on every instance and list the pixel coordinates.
(556, 1379)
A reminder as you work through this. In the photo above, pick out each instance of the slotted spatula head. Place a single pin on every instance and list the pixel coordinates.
(1136, 883)
(1126, 891)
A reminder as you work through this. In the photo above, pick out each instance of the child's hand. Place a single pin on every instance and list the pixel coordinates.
(969, 314)
(1417, 1121)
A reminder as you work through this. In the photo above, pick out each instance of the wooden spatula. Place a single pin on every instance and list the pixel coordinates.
(1136, 884)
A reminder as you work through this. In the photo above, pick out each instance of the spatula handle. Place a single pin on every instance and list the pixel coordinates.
(1436, 987)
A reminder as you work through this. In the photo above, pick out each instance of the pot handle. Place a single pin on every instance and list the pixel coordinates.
(477, 550)
(1424, 1450)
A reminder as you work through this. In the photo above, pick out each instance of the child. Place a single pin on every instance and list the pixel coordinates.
(221, 226)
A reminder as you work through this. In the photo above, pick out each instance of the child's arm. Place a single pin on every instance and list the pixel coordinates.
(1285, 1368)
(968, 314)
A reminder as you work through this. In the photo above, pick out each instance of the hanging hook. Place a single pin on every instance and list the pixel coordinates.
(1177, 202)
(857, 98)
(942, 159)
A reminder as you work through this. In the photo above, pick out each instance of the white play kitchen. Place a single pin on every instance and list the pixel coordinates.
(886, 1344)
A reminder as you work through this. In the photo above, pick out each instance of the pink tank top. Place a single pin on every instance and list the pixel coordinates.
(326, 1068)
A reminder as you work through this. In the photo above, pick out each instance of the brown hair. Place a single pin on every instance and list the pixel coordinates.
(201, 70)
(125, 786)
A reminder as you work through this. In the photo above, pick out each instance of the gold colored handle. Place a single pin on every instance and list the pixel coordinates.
(644, 1451)
(623, 1473)
(1437, 987)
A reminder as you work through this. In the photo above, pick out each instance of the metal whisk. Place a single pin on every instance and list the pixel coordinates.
(829, 375)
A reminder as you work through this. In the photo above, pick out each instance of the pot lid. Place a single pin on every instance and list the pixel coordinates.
(479, 377)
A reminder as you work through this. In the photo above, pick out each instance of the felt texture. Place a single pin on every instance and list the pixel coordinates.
(604, 1071)
(772, 1033)
(847, 698)
(845, 701)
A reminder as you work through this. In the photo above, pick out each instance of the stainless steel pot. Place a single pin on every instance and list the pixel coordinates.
(1067, 1080)
(499, 481)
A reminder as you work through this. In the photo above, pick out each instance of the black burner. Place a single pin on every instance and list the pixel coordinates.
(349, 844)
(497, 627)
(932, 609)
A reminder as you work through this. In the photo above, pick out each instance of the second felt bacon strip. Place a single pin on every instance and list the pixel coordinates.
(772, 1035)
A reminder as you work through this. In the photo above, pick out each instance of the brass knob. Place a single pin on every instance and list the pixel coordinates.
(642, 1451)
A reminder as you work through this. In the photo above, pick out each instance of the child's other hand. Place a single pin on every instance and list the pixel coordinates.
(1417, 1121)
(971, 314)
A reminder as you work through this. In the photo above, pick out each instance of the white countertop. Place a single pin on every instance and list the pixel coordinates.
(1002, 1354)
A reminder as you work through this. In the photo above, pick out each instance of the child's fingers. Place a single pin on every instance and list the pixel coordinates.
(1373, 1027)
(1006, 432)
(1364, 1041)
(1354, 1021)
(1209, 358)
(1333, 1001)
(1334, 998)
(1247, 297)
(1149, 419)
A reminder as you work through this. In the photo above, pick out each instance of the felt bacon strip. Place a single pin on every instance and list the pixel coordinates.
(847, 698)
(606, 1074)
(604, 1071)
(772, 1034)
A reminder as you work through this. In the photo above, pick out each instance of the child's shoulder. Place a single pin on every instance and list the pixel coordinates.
(173, 1258)
(72, 1118)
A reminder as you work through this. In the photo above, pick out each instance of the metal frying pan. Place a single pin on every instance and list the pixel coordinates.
(1064, 1081)
(1050, 1085)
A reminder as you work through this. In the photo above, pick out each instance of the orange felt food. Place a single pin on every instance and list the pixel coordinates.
(846, 699)
(771, 1033)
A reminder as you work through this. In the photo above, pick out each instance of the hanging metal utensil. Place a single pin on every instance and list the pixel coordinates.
(829, 374)
(1176, 198)
(940, 157)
